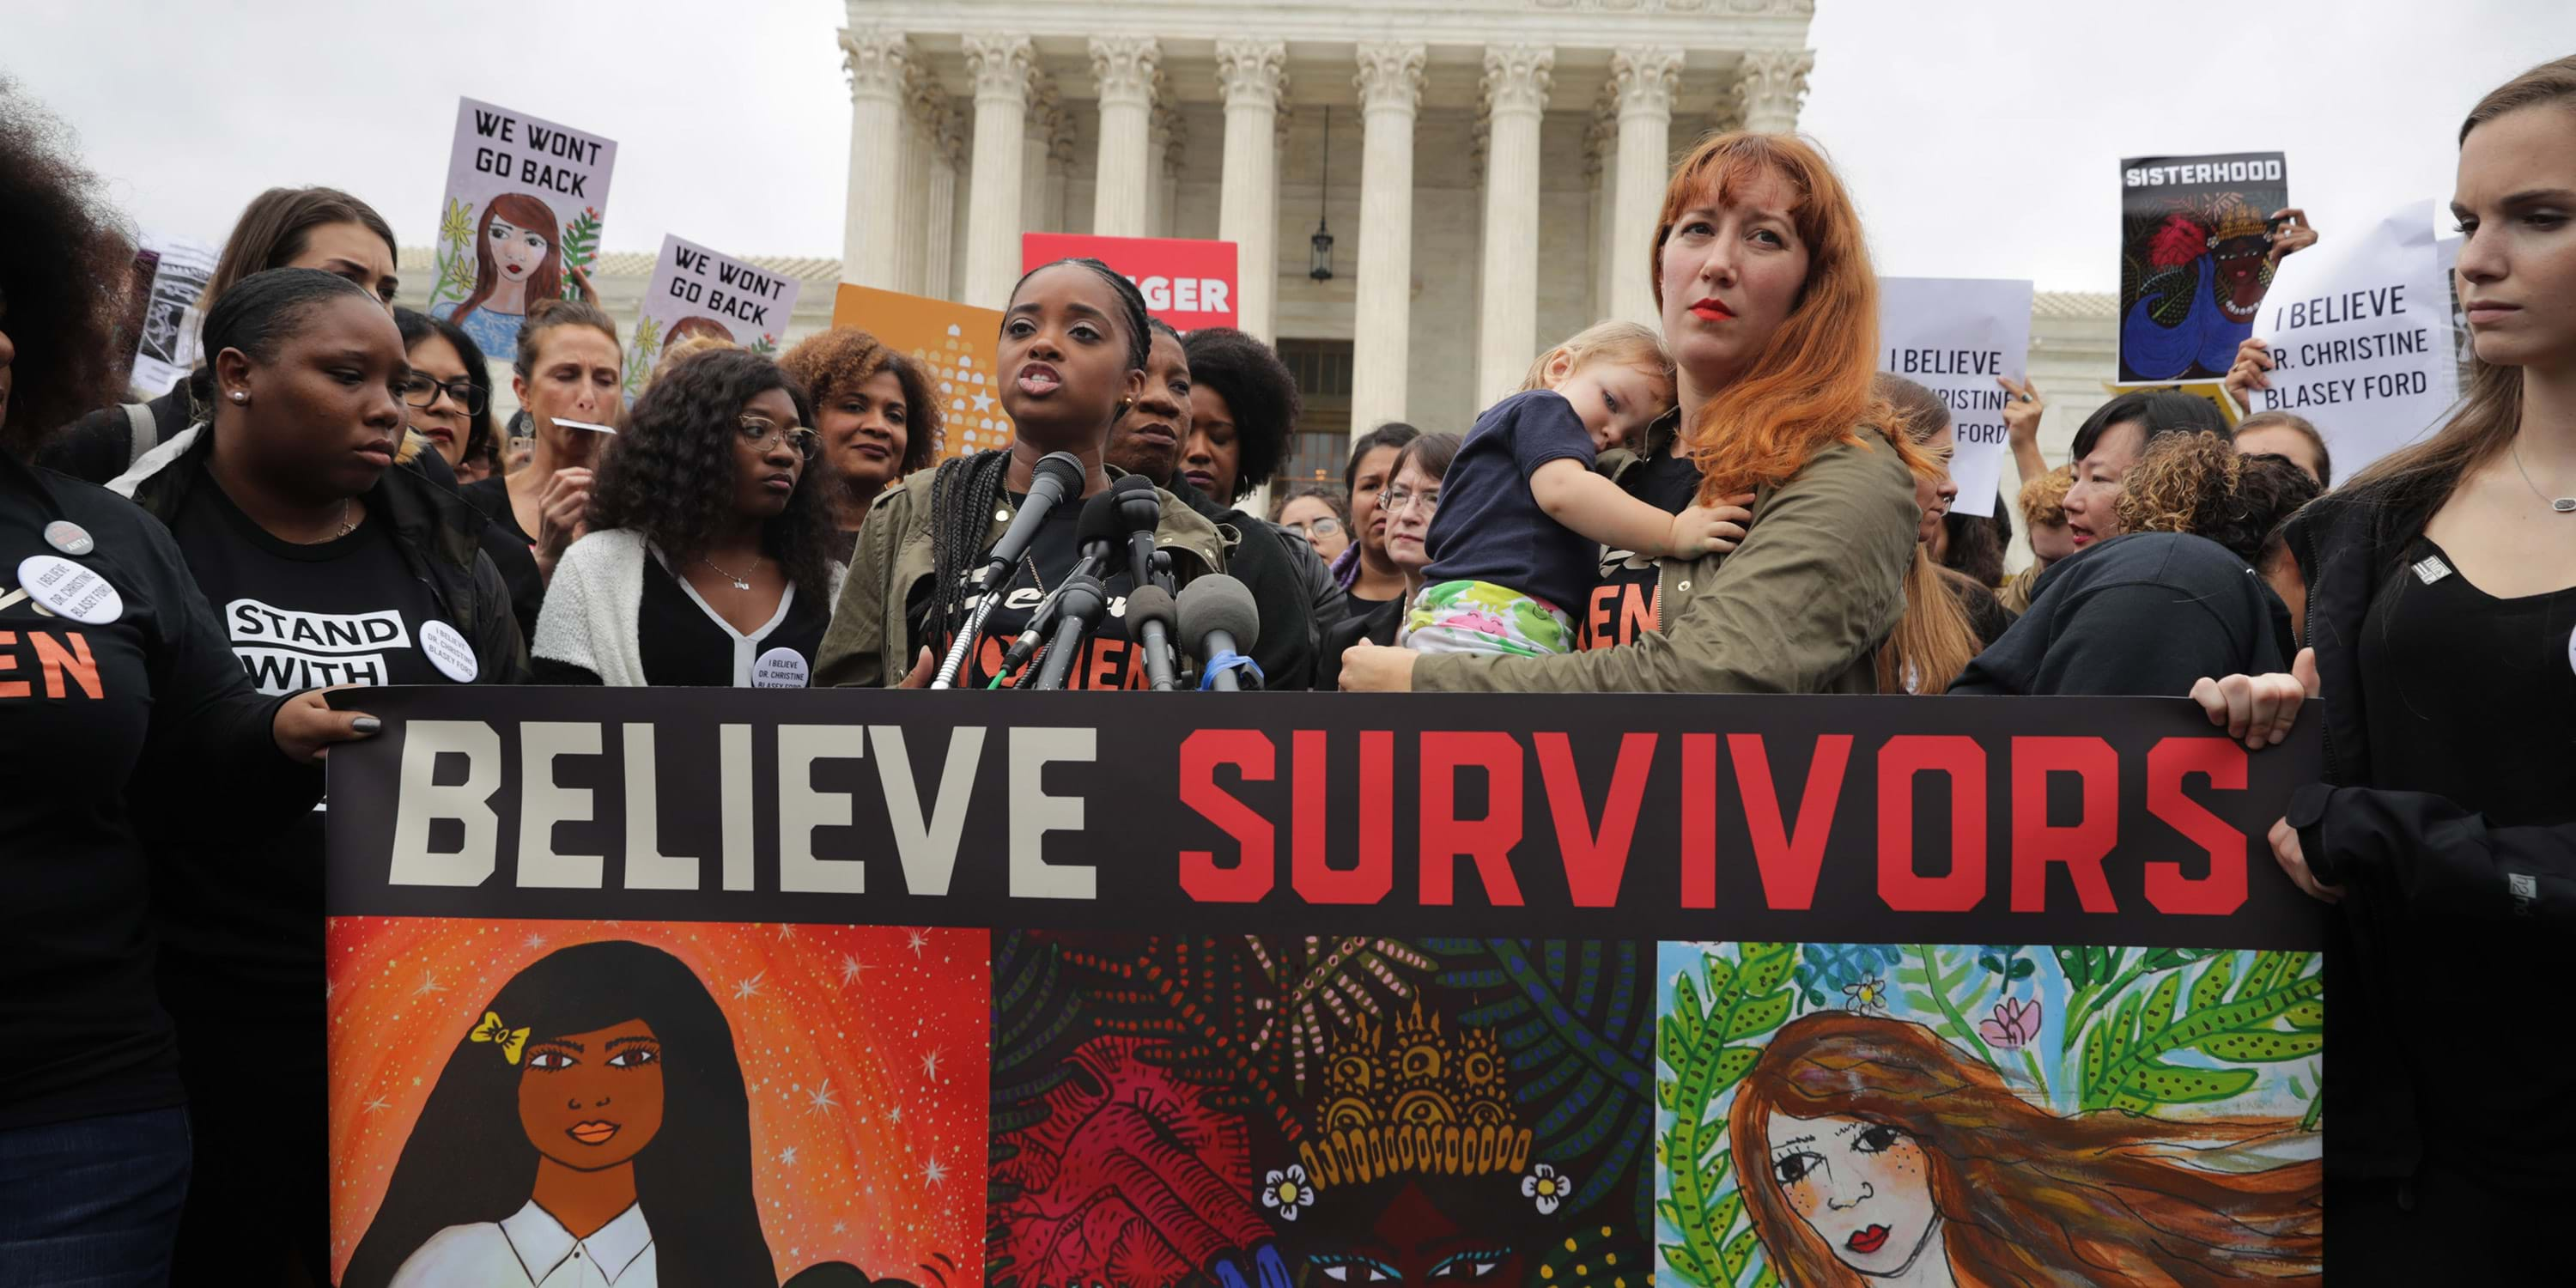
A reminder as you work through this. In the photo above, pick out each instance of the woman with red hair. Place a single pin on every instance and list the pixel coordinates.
(1872, 1152)
(1770, 309)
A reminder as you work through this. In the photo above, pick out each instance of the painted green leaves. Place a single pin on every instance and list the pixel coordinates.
(1709, 1041)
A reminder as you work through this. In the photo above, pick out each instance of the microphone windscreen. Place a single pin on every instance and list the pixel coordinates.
(1100, 521)
(1059, 473)
(1152, 604)
(1220, 603)
(1138, 503)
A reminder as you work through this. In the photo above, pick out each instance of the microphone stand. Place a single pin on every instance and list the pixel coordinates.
(1084, 599)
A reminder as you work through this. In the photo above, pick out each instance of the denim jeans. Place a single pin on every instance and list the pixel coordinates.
(92, 1203)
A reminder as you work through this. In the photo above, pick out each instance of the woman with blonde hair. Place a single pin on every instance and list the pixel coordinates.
(1949, 618)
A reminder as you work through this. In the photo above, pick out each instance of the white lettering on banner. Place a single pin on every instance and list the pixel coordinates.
(2355, 326)
(1184, 294)
(543, 804)
(1034, 813)
(928, 849)
(801, 809)
(647, 868)
(288, 651)
(420, 802)
(2205, 172)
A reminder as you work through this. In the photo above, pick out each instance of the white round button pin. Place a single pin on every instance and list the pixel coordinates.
(779, 668)
(67, 589)
(69, 537)
(448, 651)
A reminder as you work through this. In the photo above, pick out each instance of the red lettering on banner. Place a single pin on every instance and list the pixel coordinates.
(2082, 845)
(1960, 759)
(1595, 859)
(1249, 879)
(1699, 820)
(2222, 761)
(1789, 858)
(1487, 841)
(1315, 880)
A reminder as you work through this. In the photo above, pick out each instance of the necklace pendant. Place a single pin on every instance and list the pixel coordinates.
(2564, 505)
(740, 584)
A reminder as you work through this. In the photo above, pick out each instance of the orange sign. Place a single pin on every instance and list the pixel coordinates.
(954, 344)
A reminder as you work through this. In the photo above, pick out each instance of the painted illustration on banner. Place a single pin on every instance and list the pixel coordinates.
(166, 350)
(520, 222)
(711, 1103)
(1272, 1109)
(2195, 260)
(954, 343)
(695, 292)
(1835, 1114)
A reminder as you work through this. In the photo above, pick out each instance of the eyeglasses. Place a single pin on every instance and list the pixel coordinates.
(760, 433)
(1323, 527)
(1396, 500)
(422, 392)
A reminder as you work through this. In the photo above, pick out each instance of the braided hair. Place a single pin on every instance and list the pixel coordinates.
(966, 489)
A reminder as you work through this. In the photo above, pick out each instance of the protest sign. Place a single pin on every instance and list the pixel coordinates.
(2195, 257)
(2359, 329)
(2208, 391)
(1158, 993)
(167, 348)
(1954, 337)
(520, 222)
(1189, 284)
(695, 291)
(954, 343)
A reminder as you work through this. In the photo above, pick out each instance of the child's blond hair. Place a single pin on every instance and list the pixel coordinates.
(1625, 343)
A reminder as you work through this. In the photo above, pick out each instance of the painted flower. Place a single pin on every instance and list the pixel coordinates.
(2015, 1024)
(1484, 622)
(1544, 1187)
(457, 224)
(1287, 1191)
(1867, 995)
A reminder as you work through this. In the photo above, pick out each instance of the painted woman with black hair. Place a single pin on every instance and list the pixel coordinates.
(1072, 358)
(592, 1112)
(709, 556)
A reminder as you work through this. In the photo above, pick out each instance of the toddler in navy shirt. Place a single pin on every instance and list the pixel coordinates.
(1523, 517)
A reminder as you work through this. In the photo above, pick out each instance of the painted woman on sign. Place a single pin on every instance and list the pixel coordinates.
(518, 260)
(1874, 1153)
(592, 1113)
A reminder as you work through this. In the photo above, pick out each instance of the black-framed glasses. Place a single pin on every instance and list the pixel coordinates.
(422, 392)
(760, 433)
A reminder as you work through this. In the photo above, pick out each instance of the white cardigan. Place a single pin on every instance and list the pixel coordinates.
(596, 600)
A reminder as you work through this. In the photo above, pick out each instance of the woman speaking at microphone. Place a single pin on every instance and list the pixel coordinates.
(1072, 356)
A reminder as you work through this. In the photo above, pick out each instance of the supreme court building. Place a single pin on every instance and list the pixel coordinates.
(1487, 171)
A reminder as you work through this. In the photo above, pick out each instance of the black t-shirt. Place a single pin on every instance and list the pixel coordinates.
(81, 706)
(491, 496)
(1106, 661)
(1490, 528)
(1627, 596)
(685, 642)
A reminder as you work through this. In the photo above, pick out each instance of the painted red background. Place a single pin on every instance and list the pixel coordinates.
(1144, 259)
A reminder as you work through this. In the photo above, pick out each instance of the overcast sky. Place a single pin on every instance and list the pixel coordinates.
(1982, 136)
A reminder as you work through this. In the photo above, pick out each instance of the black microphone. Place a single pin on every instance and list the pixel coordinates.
(1142, 513)
(1085, 599)
(1218, 612)
(1098, 533)
(1153, 615)
(1057, 475)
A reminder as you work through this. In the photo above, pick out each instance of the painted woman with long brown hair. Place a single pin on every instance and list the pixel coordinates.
(518, 260)
(1871, 1152)
(1770, 309)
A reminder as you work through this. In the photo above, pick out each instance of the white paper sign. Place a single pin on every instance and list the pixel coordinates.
(2360, 329)
(696, 291)
(168, 347)
(1954, 336)
(521, 221)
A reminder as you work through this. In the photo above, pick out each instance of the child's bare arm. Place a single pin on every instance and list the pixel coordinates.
(1600, 511)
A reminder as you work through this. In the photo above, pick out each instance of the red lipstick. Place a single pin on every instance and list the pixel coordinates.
(1867, 1241)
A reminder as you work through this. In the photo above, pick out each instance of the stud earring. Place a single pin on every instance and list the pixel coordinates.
(240, 397)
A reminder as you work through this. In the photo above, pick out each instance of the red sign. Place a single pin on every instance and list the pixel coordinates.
(1190, 284)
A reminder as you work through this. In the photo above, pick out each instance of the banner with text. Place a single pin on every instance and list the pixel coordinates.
(1152, 991)
(1954, 336)
(1190, 284)
(521, 220)
(955, 345)
(695, 291)
(2195, 258)
(167, 348)
(2359, 329)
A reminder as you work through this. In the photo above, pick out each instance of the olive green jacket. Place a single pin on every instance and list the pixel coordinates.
(1800, 607)
(870, 644)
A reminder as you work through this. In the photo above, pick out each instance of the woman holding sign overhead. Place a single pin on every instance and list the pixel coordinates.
(709, 555)
(1073, 354)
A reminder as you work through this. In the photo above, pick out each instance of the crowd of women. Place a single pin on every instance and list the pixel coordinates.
(1734, 502)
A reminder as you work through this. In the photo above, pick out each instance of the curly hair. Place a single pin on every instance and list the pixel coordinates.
(1256, 386)
(2043, 500)
(2200, 484)
(64, 260)
(671, 473)
(831, 363)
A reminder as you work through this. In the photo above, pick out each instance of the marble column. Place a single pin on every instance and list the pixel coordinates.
(1035, 136)
(1003, 68)
(1164, 137)
(1600, 157)
(876, 60)
(1644, 78)
(947, 139)
(1516, 83)
(915, 147)
(1768, 86)
(1390, 86)
(1128, 69)
(1252, 76)
(1059, 178)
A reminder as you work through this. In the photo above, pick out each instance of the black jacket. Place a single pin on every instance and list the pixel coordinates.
(441, 538)
(1289, 583)
(1376, 626)
(2145, 614)
(2424, 879)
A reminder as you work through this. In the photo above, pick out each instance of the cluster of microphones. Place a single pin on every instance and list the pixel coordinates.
(1215, 612)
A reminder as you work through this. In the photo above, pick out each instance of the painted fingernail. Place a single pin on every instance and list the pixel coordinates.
(366, 724)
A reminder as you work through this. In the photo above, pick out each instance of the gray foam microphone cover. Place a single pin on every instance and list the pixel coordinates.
(1153, 604)
(1220, 603)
